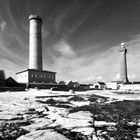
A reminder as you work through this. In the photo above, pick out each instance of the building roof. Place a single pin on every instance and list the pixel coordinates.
(35, 70)
(101, 83)
(10, 80)
(118, 82)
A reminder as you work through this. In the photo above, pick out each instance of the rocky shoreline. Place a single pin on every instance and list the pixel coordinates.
(67, 116)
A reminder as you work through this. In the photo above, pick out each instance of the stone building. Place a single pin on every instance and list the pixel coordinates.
(113, 85)
(35, 76)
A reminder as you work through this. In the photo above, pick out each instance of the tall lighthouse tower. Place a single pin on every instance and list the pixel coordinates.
(35, 42)
(123, 63)
(35, 76)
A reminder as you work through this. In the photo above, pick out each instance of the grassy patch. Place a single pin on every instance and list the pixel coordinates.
(121, 112)
(97, 98)
(71, 135)
(113, 112)
(123, 131)
(56, 103)
(11, 131)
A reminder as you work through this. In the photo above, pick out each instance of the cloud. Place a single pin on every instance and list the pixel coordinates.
(64, 49)
(92, 79)
(6, 52)
(10, 59)
(131, 77)
(99, 78)
(117, 77)
(3, 25)
(103, 66)
(9, 67)
(69, 65)
(63, 57)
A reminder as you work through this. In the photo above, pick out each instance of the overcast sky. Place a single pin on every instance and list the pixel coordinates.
(81, 38)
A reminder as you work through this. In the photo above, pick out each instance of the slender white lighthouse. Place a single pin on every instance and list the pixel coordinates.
(123, 63)
(35, 76)
(35, 42)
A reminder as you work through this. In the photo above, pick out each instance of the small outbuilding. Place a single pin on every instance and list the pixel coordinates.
(133, 86)
(10, 82)
(99, 85)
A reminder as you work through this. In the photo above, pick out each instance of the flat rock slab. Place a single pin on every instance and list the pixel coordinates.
(43, 135)
(72, 122)
(84, 130)
(83, 115)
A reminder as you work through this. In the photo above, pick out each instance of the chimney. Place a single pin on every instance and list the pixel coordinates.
(35, 42)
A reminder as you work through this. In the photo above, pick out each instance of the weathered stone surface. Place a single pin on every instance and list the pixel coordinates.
(43, 135)
(84, 130)
(53, 116)
(85, 115)
(18, 104)
(72, 122)
(39, 123)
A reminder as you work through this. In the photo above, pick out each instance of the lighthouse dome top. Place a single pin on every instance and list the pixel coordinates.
(123, 44)
(36, 17)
